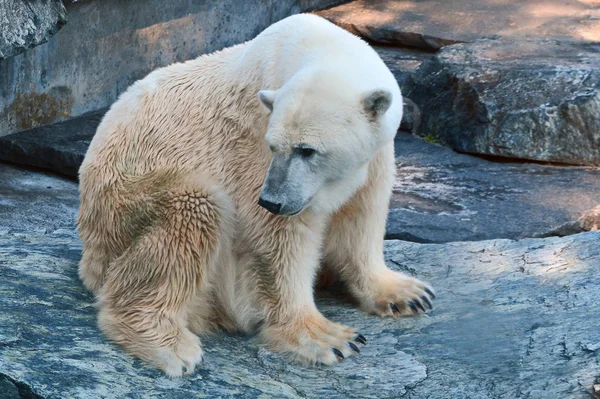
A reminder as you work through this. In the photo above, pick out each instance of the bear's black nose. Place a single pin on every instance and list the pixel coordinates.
(270, 206)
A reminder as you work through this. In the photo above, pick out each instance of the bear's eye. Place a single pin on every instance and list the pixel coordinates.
(306, 152)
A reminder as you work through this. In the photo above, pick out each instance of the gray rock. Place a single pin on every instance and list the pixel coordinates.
(402, 61)
(432, 24)
(59, 147)
(26, 24)
(535, 100)
(36, 201)
(512, 320)
(443, 196)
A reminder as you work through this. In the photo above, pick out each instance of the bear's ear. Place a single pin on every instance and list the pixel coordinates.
(376, 102)
(267, 97)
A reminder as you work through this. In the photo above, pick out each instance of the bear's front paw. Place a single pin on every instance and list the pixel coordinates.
(396, 294)
(314, 340)
(180, 358)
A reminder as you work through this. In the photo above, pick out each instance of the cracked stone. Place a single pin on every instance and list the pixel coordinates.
(534, 100)
(402, 62)
(495, 332)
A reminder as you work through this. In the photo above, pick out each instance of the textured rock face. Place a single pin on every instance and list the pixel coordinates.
(432, 24)
(26, 24)
(529, 100)
(512, 320)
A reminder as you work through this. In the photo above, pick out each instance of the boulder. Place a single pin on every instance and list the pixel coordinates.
(433, 24)
(443, 196)
(535, 100)
(26, 24)
(513, 319)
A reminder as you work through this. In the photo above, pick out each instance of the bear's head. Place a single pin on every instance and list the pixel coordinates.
(324, 128)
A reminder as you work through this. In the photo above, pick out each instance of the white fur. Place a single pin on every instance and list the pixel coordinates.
(170, 184)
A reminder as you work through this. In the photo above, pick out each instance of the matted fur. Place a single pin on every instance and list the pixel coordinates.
(175, 244)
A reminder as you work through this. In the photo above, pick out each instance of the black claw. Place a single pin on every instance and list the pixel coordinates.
(183, 369)
(360, 339)
(431, 294)
(413, 307)
(420, 305)
(394, 308)
(337, 352)
(353, 347)
(427, 301)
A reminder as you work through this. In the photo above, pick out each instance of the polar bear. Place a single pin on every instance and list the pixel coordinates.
(216, 190)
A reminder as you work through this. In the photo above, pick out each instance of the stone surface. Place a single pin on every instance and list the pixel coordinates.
(31, 200)
(512, 320)
(443, 196)
(402, 61)
(432, 24)
(109, 44)
(59, 147)
(529, 99)
(26, 24)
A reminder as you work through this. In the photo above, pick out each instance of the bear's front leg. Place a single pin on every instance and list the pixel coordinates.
(354, 248)
(294, 326)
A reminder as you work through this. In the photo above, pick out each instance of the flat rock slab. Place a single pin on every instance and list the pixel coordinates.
(59, 147)
(443, 196)
(512, 320)
(31, 200)
(432, 24)
(535, 100)
(26, 24)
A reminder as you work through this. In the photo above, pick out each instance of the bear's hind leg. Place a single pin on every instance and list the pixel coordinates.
(145, 300)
